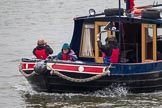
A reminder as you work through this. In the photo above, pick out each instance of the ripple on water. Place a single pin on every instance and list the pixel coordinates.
(116, 97)
(112, 91)
(104, 98)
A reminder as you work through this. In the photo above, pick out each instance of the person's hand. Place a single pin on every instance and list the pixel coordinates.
(98, 37)
(45, 43)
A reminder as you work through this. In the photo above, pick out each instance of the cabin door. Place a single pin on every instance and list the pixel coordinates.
(99, 26)
(149, 43)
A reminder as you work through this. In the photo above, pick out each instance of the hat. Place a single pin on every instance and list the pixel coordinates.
(112, 38)
(65, 46)
(40, 42)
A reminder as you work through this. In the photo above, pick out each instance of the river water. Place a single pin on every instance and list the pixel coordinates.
(22, 22)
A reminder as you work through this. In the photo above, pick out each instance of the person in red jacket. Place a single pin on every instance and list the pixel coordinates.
(67, 53)
(110, 49)
(42, 50)
(129, 5)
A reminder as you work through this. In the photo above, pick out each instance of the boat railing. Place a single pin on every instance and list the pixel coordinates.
(149, 6)
(30, 60)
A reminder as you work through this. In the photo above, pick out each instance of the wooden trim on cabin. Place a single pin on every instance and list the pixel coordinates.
(154, 43)
(144, 26)
(97, 25)
(97, 58)
(143, 42)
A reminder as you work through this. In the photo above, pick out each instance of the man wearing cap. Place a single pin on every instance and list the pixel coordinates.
(67, 53)
(42, 50)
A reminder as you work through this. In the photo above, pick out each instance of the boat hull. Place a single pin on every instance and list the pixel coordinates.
(136, 82)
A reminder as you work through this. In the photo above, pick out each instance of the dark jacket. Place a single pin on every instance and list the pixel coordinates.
(107, 48)
(48, 49)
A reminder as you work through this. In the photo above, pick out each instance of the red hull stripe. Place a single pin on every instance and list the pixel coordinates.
(65, 67)
(23, 66)
(30, 66)
(93, 69)
(27, 65)
(75, 68)
(68, 68)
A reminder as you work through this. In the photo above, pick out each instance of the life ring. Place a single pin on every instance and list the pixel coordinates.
(113, 11)
(151, 13)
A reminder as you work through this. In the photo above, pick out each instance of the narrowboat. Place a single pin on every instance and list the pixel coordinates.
(139, 70)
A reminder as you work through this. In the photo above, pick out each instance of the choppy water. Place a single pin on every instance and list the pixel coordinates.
(22, 22)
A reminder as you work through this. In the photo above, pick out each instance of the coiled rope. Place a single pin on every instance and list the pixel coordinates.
(54, 72)
(26, 75)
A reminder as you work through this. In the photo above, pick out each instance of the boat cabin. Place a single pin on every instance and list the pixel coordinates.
(140, 39)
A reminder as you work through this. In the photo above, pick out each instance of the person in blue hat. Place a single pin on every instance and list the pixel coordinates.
(66, 53)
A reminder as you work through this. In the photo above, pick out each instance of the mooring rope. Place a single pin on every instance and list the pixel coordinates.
(26, 75)
(54, 72)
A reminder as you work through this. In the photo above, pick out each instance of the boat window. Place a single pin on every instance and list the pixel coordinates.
(99, 27)
(103, 36)
(159, 33)
(149, 43)
(159, 43)
(87, 43)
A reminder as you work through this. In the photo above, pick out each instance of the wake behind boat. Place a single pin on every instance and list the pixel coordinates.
(139, 35)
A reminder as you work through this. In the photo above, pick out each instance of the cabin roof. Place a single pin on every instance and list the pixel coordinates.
(135, 19)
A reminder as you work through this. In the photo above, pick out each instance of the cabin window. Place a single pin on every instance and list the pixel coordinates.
(159, 33)
(99, 26)
(103, 36)
(149, 43)
(87, 43)
(159, 43)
